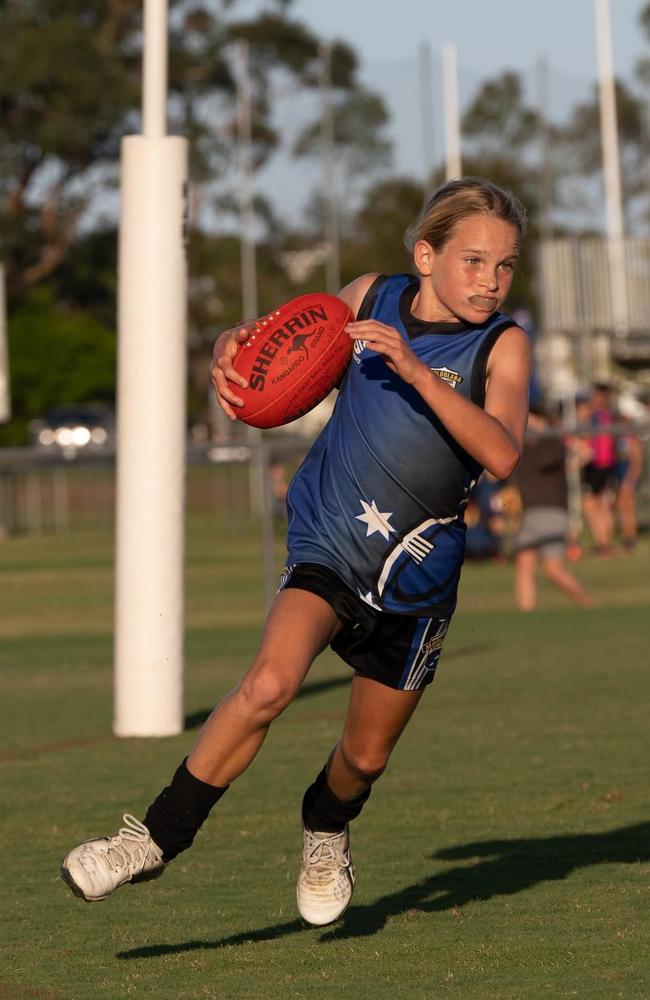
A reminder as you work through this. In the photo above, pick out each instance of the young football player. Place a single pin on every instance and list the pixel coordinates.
(436, 391)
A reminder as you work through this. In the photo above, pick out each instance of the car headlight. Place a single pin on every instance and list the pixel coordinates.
(80, 436)
(63, 437)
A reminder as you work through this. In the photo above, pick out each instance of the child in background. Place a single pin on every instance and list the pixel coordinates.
(542, 538)
(598, 474)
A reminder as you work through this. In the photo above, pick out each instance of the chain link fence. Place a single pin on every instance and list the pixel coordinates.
(45, 493)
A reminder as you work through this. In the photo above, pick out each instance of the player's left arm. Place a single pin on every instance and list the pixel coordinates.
(494, 434)
(507, 384)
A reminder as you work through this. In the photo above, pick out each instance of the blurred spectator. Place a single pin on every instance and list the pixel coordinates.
(542, 481)
(627, 472)
(484, 520)
(598, 472)
(578, 454)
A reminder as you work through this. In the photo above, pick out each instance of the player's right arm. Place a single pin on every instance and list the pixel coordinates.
(222, 372)
(355, 292)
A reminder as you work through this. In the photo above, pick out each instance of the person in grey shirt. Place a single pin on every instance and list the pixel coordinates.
(541, 479)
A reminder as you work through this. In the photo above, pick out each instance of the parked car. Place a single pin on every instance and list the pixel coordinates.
(73, 429)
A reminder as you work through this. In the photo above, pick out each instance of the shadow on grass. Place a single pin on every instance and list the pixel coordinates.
(195, 719)
(492, 868)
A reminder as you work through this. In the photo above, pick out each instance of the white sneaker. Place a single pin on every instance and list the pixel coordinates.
(326, 878)
(97, 867)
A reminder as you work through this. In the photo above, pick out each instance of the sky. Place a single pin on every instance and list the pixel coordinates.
(490, 37)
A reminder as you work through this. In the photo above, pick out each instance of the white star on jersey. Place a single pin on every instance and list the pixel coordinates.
(375, 519)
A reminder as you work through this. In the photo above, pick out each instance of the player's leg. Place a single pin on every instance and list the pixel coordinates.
(376, 717)
(606, 521)
(375, 720)
(299, 626)
(627, 515)
(525, 579)
(561, 577)
(597, 509)
(591, 504)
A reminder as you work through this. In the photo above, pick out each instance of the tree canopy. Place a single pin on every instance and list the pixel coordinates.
(70, 89)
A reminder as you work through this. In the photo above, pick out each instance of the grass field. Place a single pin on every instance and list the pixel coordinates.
(505, 853)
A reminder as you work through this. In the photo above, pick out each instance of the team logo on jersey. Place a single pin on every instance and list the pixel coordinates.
(447, 375)
(358, 348)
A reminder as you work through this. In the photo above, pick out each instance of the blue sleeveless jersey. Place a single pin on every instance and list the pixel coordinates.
(380, 496)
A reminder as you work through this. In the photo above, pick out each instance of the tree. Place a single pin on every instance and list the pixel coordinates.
(57, 355)
(70, 88)
(360, 148)
(580, 147)
(499, 121)
(502, 133)
(67, 91)
(377, 228)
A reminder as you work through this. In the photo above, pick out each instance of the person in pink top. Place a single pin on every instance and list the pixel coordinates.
(629, 465)
(599, 473)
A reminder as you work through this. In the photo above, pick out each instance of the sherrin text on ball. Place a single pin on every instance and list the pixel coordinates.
(292, 359)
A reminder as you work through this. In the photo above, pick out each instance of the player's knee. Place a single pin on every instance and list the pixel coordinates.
(266, 693)
(366, 763)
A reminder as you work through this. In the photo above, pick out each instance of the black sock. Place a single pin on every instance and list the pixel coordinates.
(173, 819)
(323, 811)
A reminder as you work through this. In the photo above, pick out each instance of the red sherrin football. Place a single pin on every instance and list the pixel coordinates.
(293, 358)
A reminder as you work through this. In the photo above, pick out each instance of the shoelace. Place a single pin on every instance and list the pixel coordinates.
(129, 848)
(324, 855)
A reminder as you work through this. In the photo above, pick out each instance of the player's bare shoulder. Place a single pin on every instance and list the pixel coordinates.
(513, 347)
(355, 292)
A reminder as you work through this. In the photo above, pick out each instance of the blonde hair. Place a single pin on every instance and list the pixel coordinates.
(457, 200)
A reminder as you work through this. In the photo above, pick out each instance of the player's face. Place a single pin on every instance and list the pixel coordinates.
(472, 274)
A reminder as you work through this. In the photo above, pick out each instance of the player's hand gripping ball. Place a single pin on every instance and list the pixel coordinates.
(292, 359)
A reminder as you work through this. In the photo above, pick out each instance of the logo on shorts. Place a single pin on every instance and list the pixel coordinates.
(423, 667)
(285, 577)
(447, 375)
(433, 645)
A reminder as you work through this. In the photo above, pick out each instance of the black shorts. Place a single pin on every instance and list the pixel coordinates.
(400, 651)
(596, 480)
